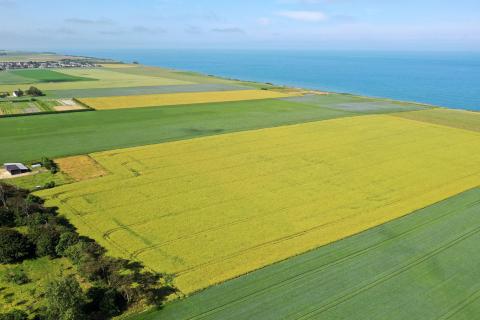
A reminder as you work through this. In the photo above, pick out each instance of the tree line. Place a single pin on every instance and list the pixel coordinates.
(116, 283)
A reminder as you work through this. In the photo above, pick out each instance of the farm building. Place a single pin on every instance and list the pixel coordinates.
(16, 168)
(17, 93)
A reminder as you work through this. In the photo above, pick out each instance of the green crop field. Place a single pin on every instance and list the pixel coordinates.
(12, 78)
(422, 266)
(43, 75)
(88, 132)
(28, 138)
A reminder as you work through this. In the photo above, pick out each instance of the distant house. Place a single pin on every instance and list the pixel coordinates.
(17, 93)
(16, 168)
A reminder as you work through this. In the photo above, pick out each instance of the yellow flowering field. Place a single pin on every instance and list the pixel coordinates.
(169, 99)
(213, 208)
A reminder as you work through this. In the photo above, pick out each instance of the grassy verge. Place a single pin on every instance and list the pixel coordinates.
(38, 179)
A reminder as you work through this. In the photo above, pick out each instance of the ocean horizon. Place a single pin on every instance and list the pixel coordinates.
(447, 79)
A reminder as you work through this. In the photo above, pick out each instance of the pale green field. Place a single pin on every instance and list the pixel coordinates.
(180, 75)
(12, 78)
(105, 79)
(468, 120)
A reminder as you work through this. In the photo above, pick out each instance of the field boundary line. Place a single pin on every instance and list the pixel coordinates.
(319, 269)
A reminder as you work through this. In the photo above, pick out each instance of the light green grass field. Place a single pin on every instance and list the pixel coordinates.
(423, 266)
(39, 179)
(172, 74)
(106, 78)
(347, 102)
(461, 119)
(30, 296)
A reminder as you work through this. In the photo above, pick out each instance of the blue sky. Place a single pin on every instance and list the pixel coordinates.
(314, 24)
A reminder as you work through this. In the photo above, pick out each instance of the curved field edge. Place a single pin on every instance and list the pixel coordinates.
(419, 265)
(348, 175)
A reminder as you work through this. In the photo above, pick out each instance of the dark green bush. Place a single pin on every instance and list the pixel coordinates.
(34, 92)
(14, 246)
(46, 239)
(67, 239)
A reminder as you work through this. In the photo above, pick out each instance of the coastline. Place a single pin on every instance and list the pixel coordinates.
(435, 78)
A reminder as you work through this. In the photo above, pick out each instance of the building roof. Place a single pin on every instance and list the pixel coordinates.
(15, 166)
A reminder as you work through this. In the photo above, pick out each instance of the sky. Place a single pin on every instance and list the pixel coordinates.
(428, 25)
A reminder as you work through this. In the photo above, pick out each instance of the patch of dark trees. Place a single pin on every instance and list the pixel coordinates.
(32, 91)
(116, 284)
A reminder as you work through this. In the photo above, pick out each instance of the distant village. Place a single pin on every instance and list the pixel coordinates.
(66, 63)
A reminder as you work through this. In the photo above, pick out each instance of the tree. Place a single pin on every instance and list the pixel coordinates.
(65, 299)
(47, 241)
(104, 302)
(49, 164)
(84, 250)
(14, 246)
(67, 239)
(34, 92)
(3, 195)
(7, 218)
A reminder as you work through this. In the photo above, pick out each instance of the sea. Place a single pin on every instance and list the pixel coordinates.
(448, 79)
